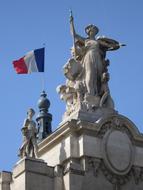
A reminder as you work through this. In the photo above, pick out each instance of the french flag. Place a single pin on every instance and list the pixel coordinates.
(33, 61)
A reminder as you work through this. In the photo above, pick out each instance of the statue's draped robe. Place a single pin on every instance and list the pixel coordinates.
(93, 66)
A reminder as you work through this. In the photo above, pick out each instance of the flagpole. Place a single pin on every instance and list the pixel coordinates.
(43, 81)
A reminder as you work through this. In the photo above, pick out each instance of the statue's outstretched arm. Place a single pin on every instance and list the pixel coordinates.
(109, 44)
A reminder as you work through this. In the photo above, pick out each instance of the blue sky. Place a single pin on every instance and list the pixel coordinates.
(28, 24)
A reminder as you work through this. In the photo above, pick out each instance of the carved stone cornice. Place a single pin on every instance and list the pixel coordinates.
(97, 166)
(56, 137)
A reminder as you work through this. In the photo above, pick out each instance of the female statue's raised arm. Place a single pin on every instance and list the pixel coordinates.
(78, 41)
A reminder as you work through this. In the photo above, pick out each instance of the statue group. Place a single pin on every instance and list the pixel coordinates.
(86, 71)
(86, 87)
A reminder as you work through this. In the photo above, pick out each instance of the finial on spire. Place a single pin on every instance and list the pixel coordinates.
(44, 118)
(43, 102)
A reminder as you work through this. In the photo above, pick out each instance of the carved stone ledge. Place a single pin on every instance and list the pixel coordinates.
(83, 165)
(73, 168)
(89, 116)
(58, 171)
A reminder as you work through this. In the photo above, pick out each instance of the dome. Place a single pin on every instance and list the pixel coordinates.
(43, 102)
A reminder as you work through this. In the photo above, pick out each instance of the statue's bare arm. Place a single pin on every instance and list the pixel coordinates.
(76, 37)
(109, 44)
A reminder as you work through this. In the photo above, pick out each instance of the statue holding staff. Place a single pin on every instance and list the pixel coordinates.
(91, 52)
(87, 71)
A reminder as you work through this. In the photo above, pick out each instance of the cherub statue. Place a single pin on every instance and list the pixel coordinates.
(29, 131)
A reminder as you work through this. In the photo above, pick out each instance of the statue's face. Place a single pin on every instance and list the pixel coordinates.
(92, 31)
(30, 113)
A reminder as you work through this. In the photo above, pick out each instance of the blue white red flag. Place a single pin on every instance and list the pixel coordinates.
(33, 61)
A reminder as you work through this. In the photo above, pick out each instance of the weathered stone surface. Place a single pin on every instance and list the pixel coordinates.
(90, 116)
(5, 180)
(105, 154)
(32, 174)
(119, 155)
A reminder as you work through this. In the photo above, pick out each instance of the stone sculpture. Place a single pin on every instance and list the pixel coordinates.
(87, 71)
(29, 131)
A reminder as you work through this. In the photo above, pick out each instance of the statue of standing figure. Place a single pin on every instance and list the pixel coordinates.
(87, 70)
(29, 131)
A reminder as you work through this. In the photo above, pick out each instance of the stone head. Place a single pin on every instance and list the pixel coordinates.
(91, 29)
(30, 112)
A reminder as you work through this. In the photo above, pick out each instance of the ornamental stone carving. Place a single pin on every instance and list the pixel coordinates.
(87, 73)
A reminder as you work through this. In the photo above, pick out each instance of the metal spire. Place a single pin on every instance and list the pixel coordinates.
(44, 118)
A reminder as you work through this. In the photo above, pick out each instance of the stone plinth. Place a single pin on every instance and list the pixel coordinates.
(5, 180)
(90, 116)
(32, 174)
